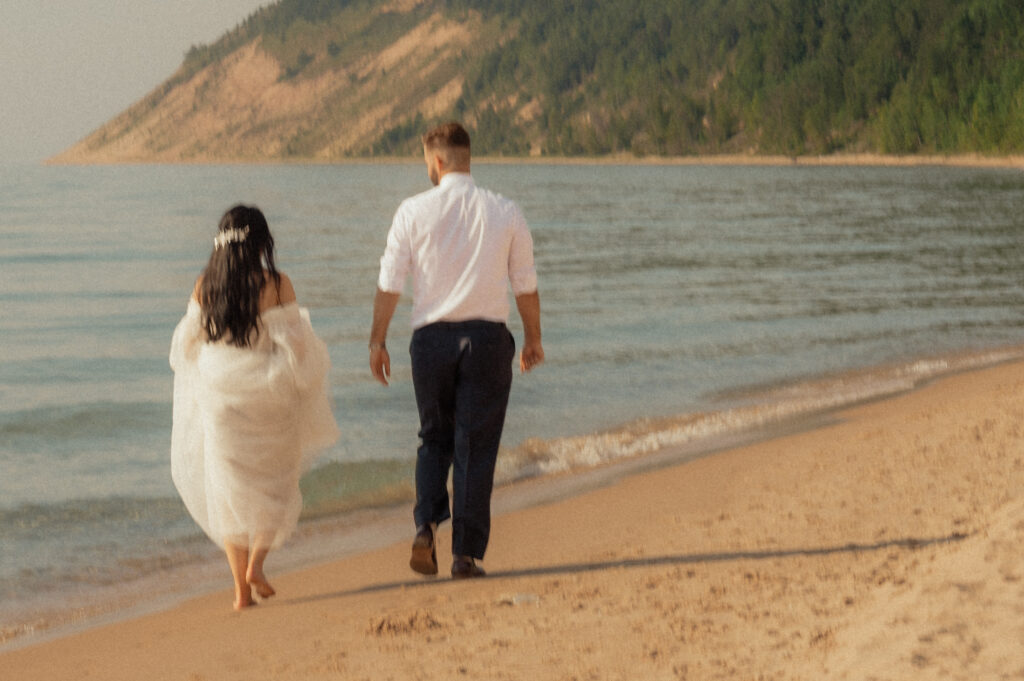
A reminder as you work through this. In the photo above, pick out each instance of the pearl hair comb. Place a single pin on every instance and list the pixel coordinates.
(230, 236)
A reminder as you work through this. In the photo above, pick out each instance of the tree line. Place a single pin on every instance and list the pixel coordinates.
(670, 77)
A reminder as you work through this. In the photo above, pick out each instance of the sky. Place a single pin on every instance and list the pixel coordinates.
(69, 66)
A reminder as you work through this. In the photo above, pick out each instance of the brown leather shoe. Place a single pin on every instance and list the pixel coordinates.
(464, 567)
(424, 554)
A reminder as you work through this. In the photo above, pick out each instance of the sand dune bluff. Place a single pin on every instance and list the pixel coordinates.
(246, 107)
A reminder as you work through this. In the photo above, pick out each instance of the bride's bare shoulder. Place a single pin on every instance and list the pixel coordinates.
(286, 292)
(275, 294)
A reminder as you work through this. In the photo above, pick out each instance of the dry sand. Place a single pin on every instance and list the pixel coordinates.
(884, 544)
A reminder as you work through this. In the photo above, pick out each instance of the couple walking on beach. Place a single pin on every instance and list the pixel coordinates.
(251, 407)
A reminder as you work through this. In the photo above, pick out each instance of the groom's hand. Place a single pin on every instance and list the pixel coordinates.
(380, 364)
(531, 356)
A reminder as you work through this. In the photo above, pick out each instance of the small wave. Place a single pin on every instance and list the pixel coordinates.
(83, 516)
(76, 546)
(755, 408)
(342, 486)
(85, 421)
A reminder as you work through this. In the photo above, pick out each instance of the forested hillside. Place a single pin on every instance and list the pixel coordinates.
(593, 77)
(775, 76)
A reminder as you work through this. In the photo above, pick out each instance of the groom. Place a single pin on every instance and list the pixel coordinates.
(464, 246)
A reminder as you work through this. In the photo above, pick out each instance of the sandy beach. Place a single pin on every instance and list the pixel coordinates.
(881, 542)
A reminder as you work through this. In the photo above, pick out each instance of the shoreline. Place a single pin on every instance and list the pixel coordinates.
(823, 551)
(324, 540)
(535, 473)
(972, 160)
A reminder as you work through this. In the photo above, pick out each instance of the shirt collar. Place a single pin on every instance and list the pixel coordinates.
(450, 179)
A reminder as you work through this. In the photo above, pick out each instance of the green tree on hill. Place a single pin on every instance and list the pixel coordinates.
(666, 77)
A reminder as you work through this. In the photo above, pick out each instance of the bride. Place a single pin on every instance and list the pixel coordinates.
(251, 409)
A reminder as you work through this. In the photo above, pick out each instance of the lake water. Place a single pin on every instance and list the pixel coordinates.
(679, 303)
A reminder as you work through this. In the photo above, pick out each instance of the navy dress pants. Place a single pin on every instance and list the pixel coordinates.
(462, 374)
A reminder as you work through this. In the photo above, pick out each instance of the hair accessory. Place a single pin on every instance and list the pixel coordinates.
(230, 236)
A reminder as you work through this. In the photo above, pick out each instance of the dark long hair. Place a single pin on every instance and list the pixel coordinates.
(234, 278)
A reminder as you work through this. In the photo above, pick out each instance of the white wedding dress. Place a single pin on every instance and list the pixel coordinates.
(248, 422)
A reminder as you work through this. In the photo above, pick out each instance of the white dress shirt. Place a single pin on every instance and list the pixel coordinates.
(464, 246)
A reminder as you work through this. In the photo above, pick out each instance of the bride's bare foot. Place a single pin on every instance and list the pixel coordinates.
(242, 605)
(260, 585)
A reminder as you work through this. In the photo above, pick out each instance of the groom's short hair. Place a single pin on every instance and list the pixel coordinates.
(449, 135)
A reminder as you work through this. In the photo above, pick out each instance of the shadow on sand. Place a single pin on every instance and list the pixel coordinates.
(683, 559)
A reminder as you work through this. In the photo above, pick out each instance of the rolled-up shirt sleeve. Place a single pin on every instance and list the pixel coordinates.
(522, 272)
(397, 259)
